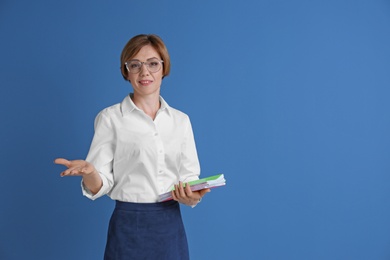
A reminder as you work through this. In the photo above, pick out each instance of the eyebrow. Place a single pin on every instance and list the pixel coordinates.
(146, 60)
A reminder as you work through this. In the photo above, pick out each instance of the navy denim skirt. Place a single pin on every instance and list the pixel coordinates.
(146, 231)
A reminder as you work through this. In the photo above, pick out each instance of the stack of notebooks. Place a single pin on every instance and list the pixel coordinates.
(205, 183)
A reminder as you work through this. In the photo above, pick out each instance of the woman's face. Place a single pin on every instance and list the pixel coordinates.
(146, 82)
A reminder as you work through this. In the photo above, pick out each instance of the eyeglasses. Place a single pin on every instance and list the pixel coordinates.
(153, 65)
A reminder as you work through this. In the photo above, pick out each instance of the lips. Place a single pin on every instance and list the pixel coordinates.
(145, 82)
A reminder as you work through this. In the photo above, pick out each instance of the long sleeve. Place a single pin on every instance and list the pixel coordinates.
(101, 154)
(189, 168)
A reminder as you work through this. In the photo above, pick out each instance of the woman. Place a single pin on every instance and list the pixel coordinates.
(141, 148)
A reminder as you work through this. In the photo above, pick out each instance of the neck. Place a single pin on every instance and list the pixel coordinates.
(149, 104)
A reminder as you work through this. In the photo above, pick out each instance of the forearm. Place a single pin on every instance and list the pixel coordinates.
(93, 182)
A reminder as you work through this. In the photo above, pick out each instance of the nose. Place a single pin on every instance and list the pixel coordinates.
(144, 70)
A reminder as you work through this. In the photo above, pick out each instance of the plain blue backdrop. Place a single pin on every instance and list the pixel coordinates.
(289, 99)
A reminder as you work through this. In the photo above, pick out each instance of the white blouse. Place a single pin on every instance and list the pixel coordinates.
(138, 158)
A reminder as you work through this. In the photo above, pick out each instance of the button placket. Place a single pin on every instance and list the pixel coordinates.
(160, 161)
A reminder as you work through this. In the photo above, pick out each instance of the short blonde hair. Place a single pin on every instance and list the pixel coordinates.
(135, 44)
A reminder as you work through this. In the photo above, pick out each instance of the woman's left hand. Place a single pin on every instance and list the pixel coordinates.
(186, 196)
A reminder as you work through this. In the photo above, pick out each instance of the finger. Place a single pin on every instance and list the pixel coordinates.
(191, 197)
(71, 171)
(62, 161)
(203, 192)
(181, 190)
(65, 173)
(177, 191)
(70, 174)
(174, 196)
(188, 190)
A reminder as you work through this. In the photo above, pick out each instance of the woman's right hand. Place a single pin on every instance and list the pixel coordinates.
(75, 167)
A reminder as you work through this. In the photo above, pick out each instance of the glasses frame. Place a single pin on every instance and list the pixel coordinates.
(146, 63)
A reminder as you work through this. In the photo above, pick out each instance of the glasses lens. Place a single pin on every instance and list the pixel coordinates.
(154, 65)
(133, 66)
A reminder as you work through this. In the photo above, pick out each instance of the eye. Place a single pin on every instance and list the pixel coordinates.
(134, 65)
(153, 63)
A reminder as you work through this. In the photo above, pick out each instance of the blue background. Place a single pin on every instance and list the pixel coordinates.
(289, 99)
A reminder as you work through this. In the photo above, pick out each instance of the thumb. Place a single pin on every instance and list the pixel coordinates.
(61, 161)
(203, 192)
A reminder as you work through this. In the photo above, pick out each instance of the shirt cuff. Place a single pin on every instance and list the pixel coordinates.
(193, 206)
(103, 190)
